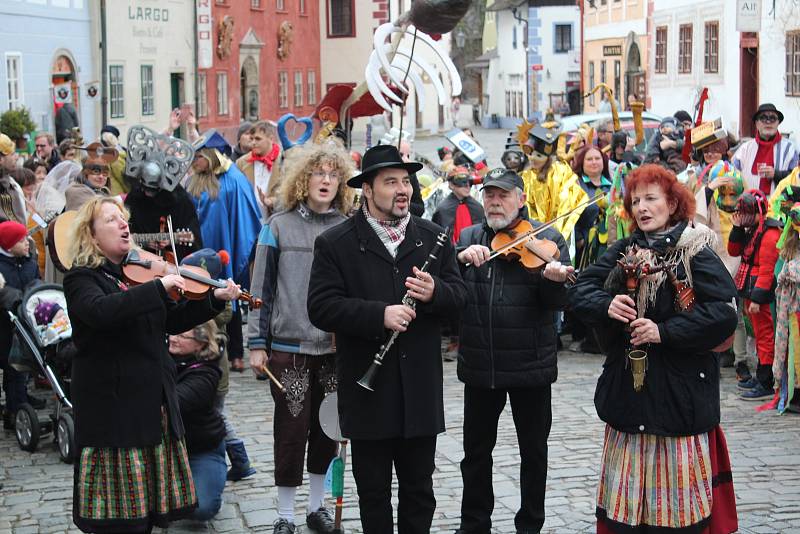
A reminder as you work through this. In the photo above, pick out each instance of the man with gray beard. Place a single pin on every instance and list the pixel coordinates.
(508, 350)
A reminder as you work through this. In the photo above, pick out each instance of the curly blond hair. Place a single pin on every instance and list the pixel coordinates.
(83, 249)
(301, 161)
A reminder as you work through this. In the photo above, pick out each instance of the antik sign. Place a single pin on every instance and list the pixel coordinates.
(748, 15)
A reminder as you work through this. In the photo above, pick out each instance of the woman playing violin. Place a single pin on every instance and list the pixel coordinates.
(507, 351)
(132, 472)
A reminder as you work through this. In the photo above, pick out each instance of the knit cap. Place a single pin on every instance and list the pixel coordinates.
(11, 233)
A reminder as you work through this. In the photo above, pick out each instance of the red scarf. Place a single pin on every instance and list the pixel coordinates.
(463, 219)
(765, 155)
(267, 159)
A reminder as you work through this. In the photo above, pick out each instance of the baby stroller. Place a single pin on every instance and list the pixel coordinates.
(46, 350)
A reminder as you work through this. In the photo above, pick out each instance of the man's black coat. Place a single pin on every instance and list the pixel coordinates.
(353, 279)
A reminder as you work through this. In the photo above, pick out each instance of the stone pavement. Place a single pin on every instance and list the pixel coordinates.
(37, 494)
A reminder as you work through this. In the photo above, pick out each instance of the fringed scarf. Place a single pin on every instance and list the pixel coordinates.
(692, 240)
(390, 232)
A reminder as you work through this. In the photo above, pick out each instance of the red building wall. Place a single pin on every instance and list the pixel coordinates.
(265, 22)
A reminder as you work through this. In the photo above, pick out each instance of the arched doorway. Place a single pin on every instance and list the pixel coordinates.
(64, 80)
(634, 74)
(248, 90)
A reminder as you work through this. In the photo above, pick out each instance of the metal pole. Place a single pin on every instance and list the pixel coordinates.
(196, 72)
(103, 64)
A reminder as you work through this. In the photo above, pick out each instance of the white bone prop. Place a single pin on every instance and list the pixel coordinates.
(379, 39)
(402, 61)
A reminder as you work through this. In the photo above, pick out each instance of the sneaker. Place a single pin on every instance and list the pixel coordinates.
(759, 392)
(748, 384)
(282, 526)
(320, 521)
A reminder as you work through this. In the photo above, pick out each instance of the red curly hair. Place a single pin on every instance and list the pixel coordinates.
(674, 190)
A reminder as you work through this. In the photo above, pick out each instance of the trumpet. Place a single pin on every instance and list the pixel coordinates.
(368, 380)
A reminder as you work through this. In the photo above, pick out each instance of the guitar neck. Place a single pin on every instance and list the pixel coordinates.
(148, 238)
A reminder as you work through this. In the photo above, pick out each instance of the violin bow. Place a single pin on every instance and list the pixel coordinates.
(172, 243)
(539, 229)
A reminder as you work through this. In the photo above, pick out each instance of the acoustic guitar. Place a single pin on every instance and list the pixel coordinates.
(59, 238)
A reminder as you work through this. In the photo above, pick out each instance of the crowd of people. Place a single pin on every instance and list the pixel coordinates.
(670, 263)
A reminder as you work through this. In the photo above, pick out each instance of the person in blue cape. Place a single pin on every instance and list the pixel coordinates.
(229, 219)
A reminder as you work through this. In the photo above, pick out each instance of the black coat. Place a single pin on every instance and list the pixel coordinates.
(19, 274)
(445, 214)
(681, 389)
(146, 213)
(508, 329)
(122, 373)
(353, 279)
(196, 387)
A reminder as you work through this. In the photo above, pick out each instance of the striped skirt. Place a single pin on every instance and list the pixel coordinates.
(663, 482)
(130, 490)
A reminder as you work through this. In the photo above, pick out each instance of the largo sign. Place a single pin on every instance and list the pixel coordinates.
(205, 45)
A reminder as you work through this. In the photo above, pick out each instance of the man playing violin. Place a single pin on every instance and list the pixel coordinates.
(507, 350)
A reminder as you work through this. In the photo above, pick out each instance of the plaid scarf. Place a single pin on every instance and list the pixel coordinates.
(391, 233)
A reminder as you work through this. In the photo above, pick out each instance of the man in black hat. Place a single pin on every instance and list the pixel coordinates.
(507, 351)
(362, 268)
(768, 158)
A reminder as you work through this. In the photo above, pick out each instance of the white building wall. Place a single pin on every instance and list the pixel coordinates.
(772, 59)
(557, 66)
(672, 91)
(507, 72)
(149, 32)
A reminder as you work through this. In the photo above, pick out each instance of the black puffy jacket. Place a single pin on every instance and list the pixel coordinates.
(681, 390)
(196, 386)
(508, 330)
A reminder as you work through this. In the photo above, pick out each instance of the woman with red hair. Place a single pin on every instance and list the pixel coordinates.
(660, 301)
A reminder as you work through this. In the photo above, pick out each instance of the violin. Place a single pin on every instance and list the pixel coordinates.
(141, 267)
(532, 253)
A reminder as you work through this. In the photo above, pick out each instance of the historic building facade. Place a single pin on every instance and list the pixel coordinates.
(263, 62)
(42, 70)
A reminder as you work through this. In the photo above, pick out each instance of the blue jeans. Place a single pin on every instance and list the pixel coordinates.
(208, 471)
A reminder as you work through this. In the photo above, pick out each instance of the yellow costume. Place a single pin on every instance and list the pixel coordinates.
(556, 195)
(792, 180)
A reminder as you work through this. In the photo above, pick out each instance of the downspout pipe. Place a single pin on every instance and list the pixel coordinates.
(103, 63)
(196, 66)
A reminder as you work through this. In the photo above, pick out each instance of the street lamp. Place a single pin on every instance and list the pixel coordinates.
(461, 38)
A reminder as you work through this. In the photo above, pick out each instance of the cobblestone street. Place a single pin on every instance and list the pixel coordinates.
(38, 488)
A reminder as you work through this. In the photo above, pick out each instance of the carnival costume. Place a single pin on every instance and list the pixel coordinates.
(229, 219)
(756, 242)
(786, 366)
(553, 190)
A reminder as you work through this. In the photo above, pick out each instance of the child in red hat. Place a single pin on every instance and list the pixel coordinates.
(18, 270)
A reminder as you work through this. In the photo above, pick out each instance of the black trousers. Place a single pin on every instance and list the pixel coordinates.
(372, 469)
(532, 419)
(235, 337)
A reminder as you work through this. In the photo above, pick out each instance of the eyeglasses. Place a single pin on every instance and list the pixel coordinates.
(40, 146)
(333, 175)
(187, 337)
(768, 118)
(95, 169)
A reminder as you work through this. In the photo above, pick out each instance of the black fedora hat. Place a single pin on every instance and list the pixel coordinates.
(767, 107)
(381, 157)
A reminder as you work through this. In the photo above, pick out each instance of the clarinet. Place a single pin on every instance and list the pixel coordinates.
(367, 381)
